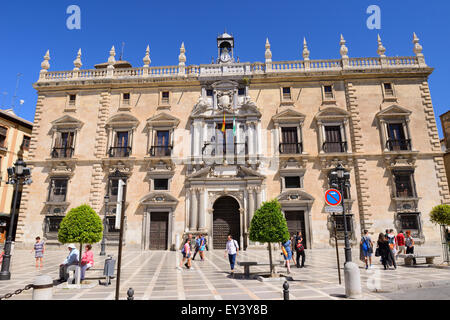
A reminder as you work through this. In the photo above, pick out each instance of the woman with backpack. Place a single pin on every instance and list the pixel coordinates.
(367, 249)
(186, 251)
(300, 249)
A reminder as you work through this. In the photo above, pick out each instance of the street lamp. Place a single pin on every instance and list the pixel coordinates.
(103, 244)
(17, 175)
(340, 180)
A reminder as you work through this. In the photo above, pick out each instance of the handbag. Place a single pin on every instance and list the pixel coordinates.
(377, 252)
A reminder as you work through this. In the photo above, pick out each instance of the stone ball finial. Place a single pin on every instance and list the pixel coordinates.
(305, 50)
(147, 59)
(381, 49)
(77, 62)
(268, 53)
(417, 47)
(344, 49)
(45, 65)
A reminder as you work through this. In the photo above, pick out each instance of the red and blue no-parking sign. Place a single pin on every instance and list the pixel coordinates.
(333, 197)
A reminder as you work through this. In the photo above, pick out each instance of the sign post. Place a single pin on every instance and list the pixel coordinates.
(334, 198)
(336, 245)
(121, 223)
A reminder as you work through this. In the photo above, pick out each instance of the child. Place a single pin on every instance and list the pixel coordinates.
(39, 252)
(186, 251)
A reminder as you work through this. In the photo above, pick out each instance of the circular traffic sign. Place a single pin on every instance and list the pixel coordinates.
(333, 197)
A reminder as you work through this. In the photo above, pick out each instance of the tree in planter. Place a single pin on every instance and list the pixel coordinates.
(81, 225)
(441, 215)
(269, 225)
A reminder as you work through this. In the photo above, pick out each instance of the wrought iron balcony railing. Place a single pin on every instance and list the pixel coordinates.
(399, 145)
(161, 151)
(59, 153)
(334, 147)
(230, 152)
(291, 148)
(119, 152)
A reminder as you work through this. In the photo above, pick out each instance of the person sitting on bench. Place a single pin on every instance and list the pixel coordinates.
(72, 259)
(87, 261)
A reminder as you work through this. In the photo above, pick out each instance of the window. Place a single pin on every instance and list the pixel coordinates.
(161, 184)
(63, 145)
(333, 140)
(328, 92)
(396, 137)
(388, 89)
(292, 182)
(165, 97)
(241, 91)
(289, 141)
(114, 189)
(120, 148)
(340, 223)
(404, 185)
(53, 223)
(3, 132)
(26, 142)
(409, 221)
(286, 93)
(72, 98)
(111, 224)
(58, 190)
(162, 147)
(126, 98)
(209, 93)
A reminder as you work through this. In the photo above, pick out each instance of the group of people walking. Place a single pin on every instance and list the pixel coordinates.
(389, 246)
(294, 244)
(199, 245)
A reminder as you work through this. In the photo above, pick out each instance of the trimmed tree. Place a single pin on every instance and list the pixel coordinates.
(269, 225)
(81, 225)
(441, 215)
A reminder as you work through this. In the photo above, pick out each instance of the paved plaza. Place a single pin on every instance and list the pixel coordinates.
(153, 276)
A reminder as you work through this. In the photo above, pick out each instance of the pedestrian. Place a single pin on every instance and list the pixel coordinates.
(39, 249)
(197, 246)
(409, 242)
(186, 251)
(287, 253)
(232, 249)
(87, 260)
(367, 249)
(72, 259)
(383, 250)
(392, 242)
(401, 243)
(202, 247)
(299, 249)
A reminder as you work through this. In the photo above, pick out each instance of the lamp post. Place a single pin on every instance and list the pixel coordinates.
(17, 175)
(103, 244)
(340, 179)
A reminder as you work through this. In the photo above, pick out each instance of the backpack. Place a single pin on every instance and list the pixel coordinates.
(300, 247)
(365, 244)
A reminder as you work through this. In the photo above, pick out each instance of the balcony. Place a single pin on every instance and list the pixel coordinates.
(334, 147)
(236, 153)
(161, 151)
(60, 153)
(399, 145)
(119, 152)
(291, 148)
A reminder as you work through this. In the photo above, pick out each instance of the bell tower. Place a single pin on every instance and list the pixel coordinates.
(225, 48)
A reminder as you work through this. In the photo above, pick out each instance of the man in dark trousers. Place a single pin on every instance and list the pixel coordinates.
(300, 249)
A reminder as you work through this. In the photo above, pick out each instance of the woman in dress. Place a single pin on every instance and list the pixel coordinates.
(384, 251)
(39, 248)
(287, 253)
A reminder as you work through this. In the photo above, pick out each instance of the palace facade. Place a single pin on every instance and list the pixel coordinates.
(200, 147)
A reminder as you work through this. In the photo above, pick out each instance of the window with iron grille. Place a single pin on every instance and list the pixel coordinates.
(328, 92)
(340, 223)
(3, 132)
(241, 91)
(126, 98)
(292, 182)
(26, 142)
(409, 221)
(209, 93)
(165, 97)
(114, 189)
(286, 93)
(404, 186)
(388, 89)
(53, 223)
(72, 98)
(58, 190)
(161, 184)
(111, 224)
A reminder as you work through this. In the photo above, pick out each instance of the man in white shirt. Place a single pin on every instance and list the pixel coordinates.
(232, 249)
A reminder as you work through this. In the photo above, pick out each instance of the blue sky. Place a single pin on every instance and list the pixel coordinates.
(29, 28)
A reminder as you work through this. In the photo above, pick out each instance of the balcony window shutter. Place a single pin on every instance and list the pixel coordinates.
(70, 140)
(58, 140)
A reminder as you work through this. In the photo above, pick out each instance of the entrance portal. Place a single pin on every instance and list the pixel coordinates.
(159, 227)
(226, 220)
(296, 222)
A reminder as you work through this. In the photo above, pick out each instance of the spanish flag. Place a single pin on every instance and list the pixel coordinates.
(223, 124)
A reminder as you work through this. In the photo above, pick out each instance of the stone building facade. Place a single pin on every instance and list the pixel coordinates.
(445, 142)
(200, 147)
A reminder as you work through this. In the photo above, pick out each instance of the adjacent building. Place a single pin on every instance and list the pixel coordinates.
(445, 142)
(15, 137)
(200, 147)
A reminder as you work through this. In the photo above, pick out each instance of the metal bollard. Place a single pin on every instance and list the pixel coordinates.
(43, 288)
(286, 290)
(130, 294)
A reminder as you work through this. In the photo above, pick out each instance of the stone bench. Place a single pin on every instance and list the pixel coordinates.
(429, 259)
(248, 264)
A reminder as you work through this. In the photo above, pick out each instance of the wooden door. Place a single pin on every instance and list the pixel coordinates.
(296, 222)
(226, 221)
(159, 227)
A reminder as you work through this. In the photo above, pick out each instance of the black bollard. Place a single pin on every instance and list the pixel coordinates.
(130, 294)
(286, 290)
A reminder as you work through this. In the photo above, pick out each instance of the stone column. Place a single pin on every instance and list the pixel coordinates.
(193, 212)
(277, 140)
(258, 197)
(251, 140)
(202, 211)
(383, 134)
(251, 205)
(321, 133)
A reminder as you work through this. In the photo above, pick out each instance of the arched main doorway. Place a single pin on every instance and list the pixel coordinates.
(226, 220)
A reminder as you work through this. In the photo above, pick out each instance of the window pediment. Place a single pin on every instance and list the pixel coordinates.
(163, 120)
(159, 199)
(332, 113)
(67, 122)
(296, 196)
(122, 120)
(288, 116)
(394, 111)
